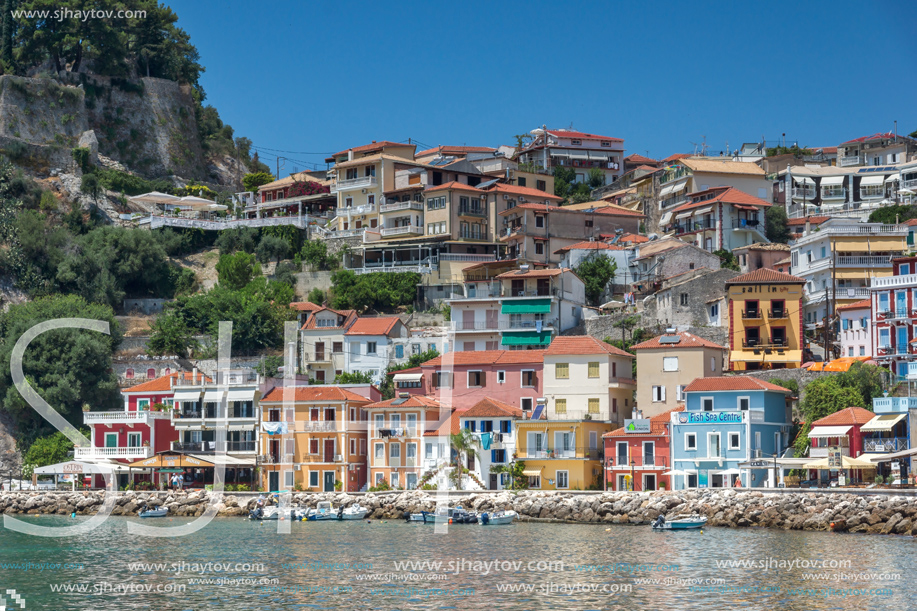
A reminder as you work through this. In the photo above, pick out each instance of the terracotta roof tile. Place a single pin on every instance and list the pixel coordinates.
(657, 424)
(314, 393)
(676, 157)
(850, 415)
(879, 136)
(349, 317)
(731, 383)
(491, 408)
(765, 276)
(371, 147)
(814, 220)
(764, 246)
(450, 151)
(488, 357)
(163, 384)
(381, 325)
(687, 340)
(449, 426)
(635, 158)
(859, 305)
(452, 184)
(412, 401)
(305, 306)
(582, 344)
(562, 133)
(588, 246)
(533, 273)
(705, 164)
(524, 191)
(725, 195)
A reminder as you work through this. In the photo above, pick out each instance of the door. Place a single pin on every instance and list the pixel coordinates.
(901, 348)
(467, 320)
(275, 453)
(111, 440)
(493, 481)
(411, 481)
(273, 481)
(544, 287)
(900, 303)
(491, 319)
(329, 450)
(648, 451)
(649, 482)
(319, 351)
(329, 481)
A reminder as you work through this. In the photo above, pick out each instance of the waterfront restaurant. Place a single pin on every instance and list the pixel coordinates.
(727, 422)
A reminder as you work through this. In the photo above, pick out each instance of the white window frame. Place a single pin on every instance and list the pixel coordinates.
(735, 435)
(680, 392)
(703, 404)
(318, 479)
(712, 363)
(659, 397)
(522, 383)
(557, 480)
(143, 404)
(523, 401)
(670, 363)
(378, 461)
(535, 482)
(105, 440)
(719, 445)
(652, 445)
(288, 478)
(739, 403)
(693, 445)
(428, 451)
(501, 377)
(371, 348)
(135, 435)
(468, 379)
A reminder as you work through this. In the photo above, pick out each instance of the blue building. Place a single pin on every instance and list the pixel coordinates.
(887, 437)
(729, 421)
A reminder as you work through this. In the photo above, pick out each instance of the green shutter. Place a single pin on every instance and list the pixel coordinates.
(527, 306)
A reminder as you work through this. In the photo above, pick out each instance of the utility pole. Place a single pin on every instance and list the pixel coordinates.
(278, 166)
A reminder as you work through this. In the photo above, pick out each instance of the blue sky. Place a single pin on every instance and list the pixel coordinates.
(318, 77)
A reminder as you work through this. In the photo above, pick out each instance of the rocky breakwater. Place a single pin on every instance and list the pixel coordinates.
(840, 512)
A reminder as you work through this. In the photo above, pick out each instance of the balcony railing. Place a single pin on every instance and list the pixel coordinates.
(467, 258)
(502, 325)
(850, 160)
(670, 176)
(560, 454)
(863, 261)
(472, 235)
(804, 193)
(746, 223)
(394, 207)
(776, 314)
(895, 281)
(354, 183)
(276, 459)
(751, 314)
(356, 210)
(317, 426)
(137, 453)
(472, 211)
(910, 183)
(889, 444)
(694, 226)
(173, 221)
(140, 416)
(402, 230)
(623, 462)
(240, 446)
(823, 452)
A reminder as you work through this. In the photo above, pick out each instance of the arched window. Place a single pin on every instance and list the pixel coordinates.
(150, 373)
(167, 372)
(129, 374)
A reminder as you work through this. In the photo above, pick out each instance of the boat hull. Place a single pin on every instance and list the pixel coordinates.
(159, 512)
(497, 519)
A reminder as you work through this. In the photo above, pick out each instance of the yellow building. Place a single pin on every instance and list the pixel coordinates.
(765, 320)
(561, 454)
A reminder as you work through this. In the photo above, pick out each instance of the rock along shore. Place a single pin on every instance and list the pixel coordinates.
(878, 514)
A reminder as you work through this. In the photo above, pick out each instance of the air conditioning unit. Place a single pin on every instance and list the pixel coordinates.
(338, 458)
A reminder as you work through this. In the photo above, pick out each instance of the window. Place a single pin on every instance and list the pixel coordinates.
(371, 200)
(593, 370)
(498, 456)
(501, 377)
(706, 404)
(593, 406)
(683, 299)
(399, 351)
(150, 373)
(576, 142)
(521, 181)
(525, 403)
(733, 441)
(712, 363)
(714, 310)
(541, 185)
(129, 374)
(442, 379)
(658, 394)
(539, 247)
(539, 221)
(143, 404)
(535, 481)
(370, 347)
(560, 406)
(713, 445)
(351, 173)
(744, 403)
(862, 350)
(562, 371)
(528, 378)
(690, 441)
(313, 479)
(133, 440)
(589, 224)
(475, 379)
(337, 347)
(614, 369)
(313, 446)
(670, 363)
(563, 479)
(506, 426)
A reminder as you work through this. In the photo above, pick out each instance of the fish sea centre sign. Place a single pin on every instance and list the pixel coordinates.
(641, 425)
(708, 417)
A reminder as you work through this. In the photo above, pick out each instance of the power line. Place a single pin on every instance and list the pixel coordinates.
(264, 148)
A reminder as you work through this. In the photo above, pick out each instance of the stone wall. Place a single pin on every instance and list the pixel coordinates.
(307, 280)
(838, 511)
(685, 302)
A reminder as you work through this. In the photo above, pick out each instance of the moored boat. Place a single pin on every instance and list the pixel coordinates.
(158, 512)
(680, 522)
(498, 517)
(444, 515)
(354, 512)
(325, 511)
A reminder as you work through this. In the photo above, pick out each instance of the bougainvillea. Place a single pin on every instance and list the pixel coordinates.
(306, 187)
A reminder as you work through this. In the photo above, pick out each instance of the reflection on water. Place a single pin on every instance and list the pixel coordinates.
(328, 565)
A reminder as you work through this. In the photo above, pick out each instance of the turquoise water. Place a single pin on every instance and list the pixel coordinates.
(281, 571)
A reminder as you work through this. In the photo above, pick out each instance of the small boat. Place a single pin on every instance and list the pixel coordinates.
(326, 511)
(354, 512)
(273, 513)
(498, 517)
(444, 515)
(680, 522)
(158, 512)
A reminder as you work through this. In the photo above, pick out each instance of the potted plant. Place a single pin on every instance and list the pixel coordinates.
(662, 485)
(338, 485)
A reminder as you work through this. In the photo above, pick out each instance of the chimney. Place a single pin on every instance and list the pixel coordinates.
(808, 226)
(194, 376)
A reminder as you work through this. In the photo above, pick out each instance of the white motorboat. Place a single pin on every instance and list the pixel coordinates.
(680, 522)
(444, 515)
(354, 512)
(498, 517)
(325, 511)
(158, 512)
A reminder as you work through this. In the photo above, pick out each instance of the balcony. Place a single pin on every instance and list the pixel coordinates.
(402, 230)
(157, 222)
(363, 182)
(908, 281)
(908, 183)
(503, 325)
(562, 454)
(751, 314)
(670, 176)
(695, 226)
(776, 314)
(134, 453)
(276, 459)
(467, 258)
(849, 160)
(893, 405)
(804, 193)
(473, 235)
(317, 426)
(747, 224)
(885, 445)
(141, 417)
(356, 210)
(640, 462)
(395, 207)
(472, 211)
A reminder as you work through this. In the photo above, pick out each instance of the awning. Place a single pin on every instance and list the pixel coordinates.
(240, 395)
(893, 177)
(228, 460)
(704, 210)
(868, 181)
(665, 218)
(804, 180)
(579, 155)
(597, 155)
(527, 306)
(666, 190)
(173, 461)
(683, 215)
(679, 187)
(830, 431)
(885, 422)
(526, 338)
(559, 153)
(70, 467)
(213, 396)
(187, 395)
(408, 377)
(829, 181)
(531, 472)
(893, 456)
(846, 463)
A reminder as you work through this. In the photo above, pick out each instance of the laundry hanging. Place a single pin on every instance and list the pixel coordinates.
(485, 440)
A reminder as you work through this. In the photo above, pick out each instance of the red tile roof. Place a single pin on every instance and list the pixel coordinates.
(765, 276)
(726, 195)
(451, 151)
(648, 168)
(412, 401)
(319, 393)
(687, 340)
(449, 426)
(524, 191)
(557, 133)
(305, 306)
(850, 415)
(635, 158)
(879, 136)
(533, 273)
(615, 210)
(633, 238)
(488, 357)
(372, 147)
(349, 317)
(582, 344)
(588, 246)
(163, 384)
(657, 424)
(491, 408)
(675, 157)
(815, 220)
(859, 305)
(452, 184)
(731, 383)
(381, 325)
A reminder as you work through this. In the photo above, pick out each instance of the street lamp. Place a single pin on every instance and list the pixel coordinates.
(633, 484)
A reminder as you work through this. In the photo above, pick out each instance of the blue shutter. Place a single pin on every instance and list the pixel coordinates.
(399, 351)
(468, 424)
(473, 426)
(846, 322)
(493, 456)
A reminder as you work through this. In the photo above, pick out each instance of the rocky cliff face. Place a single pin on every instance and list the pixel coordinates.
(9, 457)
(146, 124)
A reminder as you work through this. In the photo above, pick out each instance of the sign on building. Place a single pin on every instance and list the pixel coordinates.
(71, 467)
(834, 458)
(641, 425)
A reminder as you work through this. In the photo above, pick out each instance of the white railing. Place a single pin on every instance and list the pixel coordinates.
(804, 193)
(141, 416)
(401, 206)
(323, 426)
(273, 203)
(863, 261)
(348, 233)
(419, 269)
(354, 183)
(172, 221)
(910, 183)
(894, 281)
(404, 229)
(849, 160)
(467, 258)
(120, 452)
(356, 210)
(823, 452)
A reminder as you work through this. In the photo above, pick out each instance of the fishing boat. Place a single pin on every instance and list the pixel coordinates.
(444, 515)
(325, 511)
(274, 513)
(680, 522)
(354, 512)
(158, 512)
(498, 517)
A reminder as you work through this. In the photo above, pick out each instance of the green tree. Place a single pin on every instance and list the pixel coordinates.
(379, 291)
(564, 178)
(776, 227)
(415, 360)
(270, 366)
(272, 248)
(170, 335)
(596, 178)
(237, 270)
(66, 367)
(89, 184)
(868, 380)
(285, 272)
(252, 181)
(49, 450)
(826, 396)
(790, 385)
(243, 239)
(891, 215)
(463, 444)
(315, 253)
(272, 290)
(596, 271)
(316, 296)
(353, 377)
(727, 259)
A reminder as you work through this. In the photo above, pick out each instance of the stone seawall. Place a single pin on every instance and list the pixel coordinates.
(789, 510)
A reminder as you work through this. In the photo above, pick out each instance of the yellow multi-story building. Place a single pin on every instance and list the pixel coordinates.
(561, 454)
(765, 320)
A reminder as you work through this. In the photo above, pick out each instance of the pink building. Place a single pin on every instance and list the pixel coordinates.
(462, 379)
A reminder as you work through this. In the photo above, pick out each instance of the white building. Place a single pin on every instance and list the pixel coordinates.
(370, 345)
(493, 424)
(856, 328)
